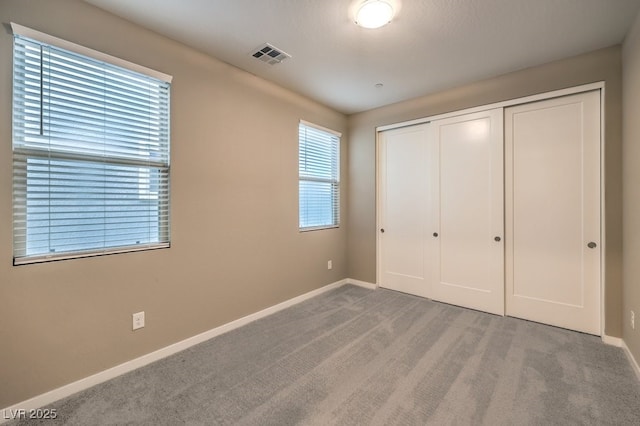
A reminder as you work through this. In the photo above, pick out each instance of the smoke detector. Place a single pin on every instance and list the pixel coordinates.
(270, 54)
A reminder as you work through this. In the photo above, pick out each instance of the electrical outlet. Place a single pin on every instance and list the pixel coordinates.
(633, 320)
(329, 265)
(138, 320)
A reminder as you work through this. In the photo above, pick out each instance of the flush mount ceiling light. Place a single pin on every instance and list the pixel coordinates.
(374, 13)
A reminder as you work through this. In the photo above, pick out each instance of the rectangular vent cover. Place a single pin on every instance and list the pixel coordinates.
(270, 54)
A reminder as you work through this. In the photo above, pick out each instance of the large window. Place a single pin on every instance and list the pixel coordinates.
(319, 177)
(90, 153)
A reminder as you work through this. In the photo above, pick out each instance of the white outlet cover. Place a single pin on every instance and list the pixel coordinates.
(138, 320)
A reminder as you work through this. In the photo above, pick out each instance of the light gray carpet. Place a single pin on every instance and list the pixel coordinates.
(354, 356)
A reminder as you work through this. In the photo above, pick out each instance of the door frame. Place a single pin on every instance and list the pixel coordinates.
(504, 104)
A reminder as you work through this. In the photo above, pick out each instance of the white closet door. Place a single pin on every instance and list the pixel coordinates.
(469, 219)
(404, 182)
(553, 211)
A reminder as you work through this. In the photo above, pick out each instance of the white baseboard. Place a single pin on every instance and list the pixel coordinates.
(613, 341)
(87, 382)
(616, 341)
(632, 360)
(364, 284)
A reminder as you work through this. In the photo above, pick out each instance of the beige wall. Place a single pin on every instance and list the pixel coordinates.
(235, 243)
(631, 179)
(601, 65)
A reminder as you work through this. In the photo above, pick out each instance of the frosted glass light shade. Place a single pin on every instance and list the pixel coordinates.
(374, 13)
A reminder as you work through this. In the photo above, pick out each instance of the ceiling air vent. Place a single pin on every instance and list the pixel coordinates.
(270, 54)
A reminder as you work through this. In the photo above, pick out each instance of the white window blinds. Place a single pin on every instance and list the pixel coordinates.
(319, 177)
(90, 155)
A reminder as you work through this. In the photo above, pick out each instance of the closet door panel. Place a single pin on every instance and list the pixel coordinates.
(468, 269)
(403, 197)
(553, 206)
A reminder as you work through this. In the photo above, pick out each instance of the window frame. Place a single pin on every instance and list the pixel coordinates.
(334, 180)
(23, 154)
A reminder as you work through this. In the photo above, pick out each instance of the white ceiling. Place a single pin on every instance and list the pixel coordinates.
(431, 45)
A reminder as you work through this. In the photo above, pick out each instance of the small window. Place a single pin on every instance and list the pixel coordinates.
(90, 155)
(319, 177)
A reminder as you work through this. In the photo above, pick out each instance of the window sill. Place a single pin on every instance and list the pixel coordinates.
(28, 260)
